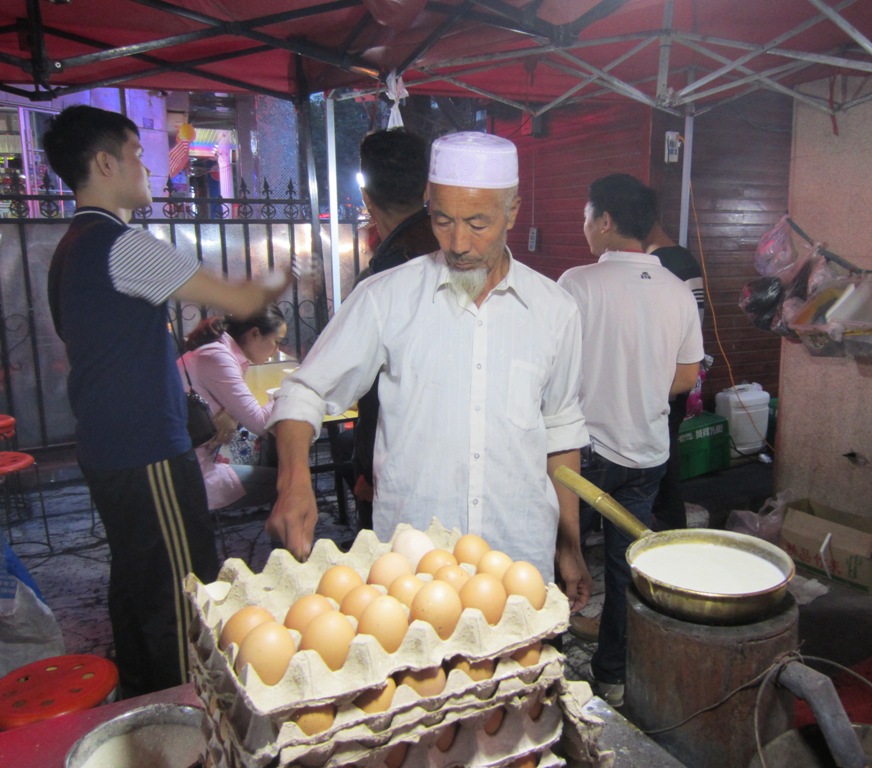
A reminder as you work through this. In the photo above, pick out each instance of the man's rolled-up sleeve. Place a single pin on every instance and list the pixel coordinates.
(561, 410)
(340, 367)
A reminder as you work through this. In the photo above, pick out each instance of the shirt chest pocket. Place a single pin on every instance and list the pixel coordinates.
(524, 403)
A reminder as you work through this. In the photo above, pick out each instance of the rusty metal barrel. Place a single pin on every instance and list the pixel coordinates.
(676, 669)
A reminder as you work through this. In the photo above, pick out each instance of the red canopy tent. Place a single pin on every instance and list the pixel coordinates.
(677, 55)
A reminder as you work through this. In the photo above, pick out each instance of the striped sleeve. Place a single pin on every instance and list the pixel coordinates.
(144, 267)
(697, 288)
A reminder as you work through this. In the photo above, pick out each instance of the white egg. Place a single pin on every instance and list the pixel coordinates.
(413, 544)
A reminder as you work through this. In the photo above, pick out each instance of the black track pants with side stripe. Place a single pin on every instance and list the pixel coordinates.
(158, 527)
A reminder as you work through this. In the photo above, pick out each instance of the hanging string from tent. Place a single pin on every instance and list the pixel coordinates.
(396, 90)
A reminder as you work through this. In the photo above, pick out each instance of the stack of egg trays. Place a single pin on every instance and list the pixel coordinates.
(258, 716)
(517, 737)
(373, 738)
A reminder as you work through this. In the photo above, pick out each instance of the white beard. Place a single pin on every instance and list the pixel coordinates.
(469, 281)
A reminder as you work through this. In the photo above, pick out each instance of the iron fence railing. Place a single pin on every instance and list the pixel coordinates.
(239, 237)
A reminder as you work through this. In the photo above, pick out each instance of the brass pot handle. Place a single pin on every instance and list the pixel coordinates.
(602, 502)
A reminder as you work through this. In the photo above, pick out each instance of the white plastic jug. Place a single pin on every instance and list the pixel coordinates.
(746, 409)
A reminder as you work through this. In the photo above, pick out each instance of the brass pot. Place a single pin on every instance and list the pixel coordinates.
(680, 602)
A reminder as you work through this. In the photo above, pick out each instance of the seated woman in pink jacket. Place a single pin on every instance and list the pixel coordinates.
(220, 349)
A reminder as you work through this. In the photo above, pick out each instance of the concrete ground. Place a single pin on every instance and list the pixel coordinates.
(836, 625)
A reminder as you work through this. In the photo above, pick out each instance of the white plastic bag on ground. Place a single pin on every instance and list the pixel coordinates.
(28, 629)
(765, 524)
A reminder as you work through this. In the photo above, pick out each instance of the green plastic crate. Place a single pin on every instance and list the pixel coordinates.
(703, 445)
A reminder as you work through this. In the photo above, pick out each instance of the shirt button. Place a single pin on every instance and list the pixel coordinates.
(476, 455)
(474, 502)
(478, 366)
(481, 322)
(478, 408)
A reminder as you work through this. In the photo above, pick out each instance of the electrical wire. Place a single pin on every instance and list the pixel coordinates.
(714, 315)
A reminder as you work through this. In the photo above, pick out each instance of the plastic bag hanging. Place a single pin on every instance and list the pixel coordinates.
(396, 90)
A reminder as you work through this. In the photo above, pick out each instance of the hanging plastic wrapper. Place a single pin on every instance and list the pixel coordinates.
(775, 251)
(396, 90)
(788, 277)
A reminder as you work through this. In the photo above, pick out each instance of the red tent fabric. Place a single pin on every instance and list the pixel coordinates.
(532, 54)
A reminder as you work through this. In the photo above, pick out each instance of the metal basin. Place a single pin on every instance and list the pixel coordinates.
(154, 736)
(680, 602)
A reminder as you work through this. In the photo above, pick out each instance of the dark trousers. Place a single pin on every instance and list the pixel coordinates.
(635, 490)
(158, 528)
(669, 511)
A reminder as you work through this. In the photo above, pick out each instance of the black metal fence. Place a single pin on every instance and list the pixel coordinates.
(240, 237)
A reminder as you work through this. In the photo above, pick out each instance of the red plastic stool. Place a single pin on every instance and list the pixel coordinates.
(51, 687)
(7, 430)
(11, 463)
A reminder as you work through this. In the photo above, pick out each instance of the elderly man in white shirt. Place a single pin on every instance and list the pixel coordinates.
(479, 365)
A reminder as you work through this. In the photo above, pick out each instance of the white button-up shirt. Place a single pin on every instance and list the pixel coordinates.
(472, 399)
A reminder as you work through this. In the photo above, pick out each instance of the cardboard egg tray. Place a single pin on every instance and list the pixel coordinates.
(261, 738)
(561, 735)
(308, 680)
(253, 721)
(517, 735)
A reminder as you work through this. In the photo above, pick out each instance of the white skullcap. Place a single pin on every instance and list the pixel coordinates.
(475, 160)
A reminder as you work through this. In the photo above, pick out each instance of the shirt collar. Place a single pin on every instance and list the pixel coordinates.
(508, 285)
(236, 351)
(637, 256)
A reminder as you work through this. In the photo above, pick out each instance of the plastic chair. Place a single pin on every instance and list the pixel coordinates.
(55, 686)
(11, 464)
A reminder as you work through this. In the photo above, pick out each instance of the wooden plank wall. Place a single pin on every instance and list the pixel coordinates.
(740, 182)
(556, 169)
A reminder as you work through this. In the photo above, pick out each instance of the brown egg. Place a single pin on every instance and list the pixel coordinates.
(405, 588)
(494, 562)
(469, 548)
(268, 648)
(377, 699)
(305, 609)
(355, 602)
(433, 560)
(337, 581)
(494, 721)
(453, 574)
(387, 568)
(241, 623)
(446, 737)
(536, 709)
(317, 719)
(528, 656)
(396, 756)
(486, 593)
(522, 578)
(426, 682)
(330, 635)
(439, 605)
(413, 544)
(386, 620)
(528, 761)
(475, 670)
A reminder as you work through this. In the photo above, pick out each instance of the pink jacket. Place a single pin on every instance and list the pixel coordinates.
(217, 371)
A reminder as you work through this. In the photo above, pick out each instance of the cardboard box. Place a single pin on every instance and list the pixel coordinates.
(834, 543)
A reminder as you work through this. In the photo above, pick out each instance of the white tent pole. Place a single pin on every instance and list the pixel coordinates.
(334, 203)
(685, 180)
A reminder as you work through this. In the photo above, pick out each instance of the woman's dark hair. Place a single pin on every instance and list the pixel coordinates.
(209, 330)
(77, 134)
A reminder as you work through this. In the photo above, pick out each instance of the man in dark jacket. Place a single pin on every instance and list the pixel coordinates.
(394, 167)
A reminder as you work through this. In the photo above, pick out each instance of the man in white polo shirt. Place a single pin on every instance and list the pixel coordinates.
(478, 360)
(641, 345)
